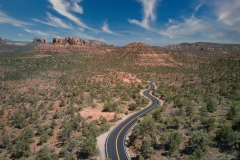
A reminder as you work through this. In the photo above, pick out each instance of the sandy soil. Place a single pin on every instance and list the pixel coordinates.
(96, 113)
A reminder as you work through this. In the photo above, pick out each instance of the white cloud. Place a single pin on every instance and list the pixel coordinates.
(107, 30)
(4, 18)
(64, 7)
(85, 36)
(149, 39)
(199, 6)
(36, 32)
(54, 21)
(76, 8)
(223, 36)
(20, 35)
(131, 32)
(216, 35)
(148, 14)
(170, 20)
(228, 12)
(190, 26)
(81, 29)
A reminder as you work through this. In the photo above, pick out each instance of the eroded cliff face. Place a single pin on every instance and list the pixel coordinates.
(51, 49)
(41, 40)
(68, 49)
(204, 48)
(58, 40)
(77, 41)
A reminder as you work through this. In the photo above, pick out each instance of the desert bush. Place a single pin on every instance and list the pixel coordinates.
(211, 106)
(209, 123)
(45, 154)
(147, 147)
(110, 107)
(19, 121)
(88, 146)
(225, 134)
(132, 106)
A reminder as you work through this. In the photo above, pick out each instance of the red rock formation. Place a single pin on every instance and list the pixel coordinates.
(77, 41)
(73, 41)
(41, 40)
(58, 40)
(74, 45)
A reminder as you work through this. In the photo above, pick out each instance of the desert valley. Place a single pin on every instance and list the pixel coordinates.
(57, 98)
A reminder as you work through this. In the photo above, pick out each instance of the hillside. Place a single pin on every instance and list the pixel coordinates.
(49, 49)
(141, 56)
(205, 49)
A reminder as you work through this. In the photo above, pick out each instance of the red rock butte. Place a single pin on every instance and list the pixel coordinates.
(41, 40)
(77, 41)
(70, 45)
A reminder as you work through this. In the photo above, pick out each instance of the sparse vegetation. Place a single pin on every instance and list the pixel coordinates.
(51, 101)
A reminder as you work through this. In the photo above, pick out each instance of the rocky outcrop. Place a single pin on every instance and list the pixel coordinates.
(58, 40)
(74, 41)
(41, 40)
(2, 42)
(77, 41)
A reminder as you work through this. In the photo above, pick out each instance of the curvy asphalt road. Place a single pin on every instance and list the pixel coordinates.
(115, 146)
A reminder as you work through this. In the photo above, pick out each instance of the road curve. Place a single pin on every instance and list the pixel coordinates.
(115, 148)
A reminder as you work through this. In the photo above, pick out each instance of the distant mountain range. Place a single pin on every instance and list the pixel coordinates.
(7, 40)
(71, 45)
(15, 43)
(205, 48)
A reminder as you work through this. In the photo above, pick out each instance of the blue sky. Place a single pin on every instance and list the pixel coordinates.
(119, 22)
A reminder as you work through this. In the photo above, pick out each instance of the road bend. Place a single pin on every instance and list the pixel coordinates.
(115, 148)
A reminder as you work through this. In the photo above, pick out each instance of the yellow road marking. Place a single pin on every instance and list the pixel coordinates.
(124, 127)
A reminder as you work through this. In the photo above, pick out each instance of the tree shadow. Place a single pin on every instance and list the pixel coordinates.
(81, 155)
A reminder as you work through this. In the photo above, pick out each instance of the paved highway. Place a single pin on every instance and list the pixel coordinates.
(115, 146)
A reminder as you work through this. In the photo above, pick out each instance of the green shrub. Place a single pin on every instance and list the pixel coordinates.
(110, 107)
(132, 107)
